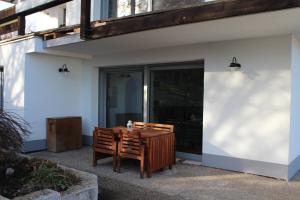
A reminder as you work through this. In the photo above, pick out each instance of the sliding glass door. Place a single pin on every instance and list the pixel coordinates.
(124, 97)
(176, 97)
(163, 93)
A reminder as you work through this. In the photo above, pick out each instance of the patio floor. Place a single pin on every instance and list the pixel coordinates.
(184, 181)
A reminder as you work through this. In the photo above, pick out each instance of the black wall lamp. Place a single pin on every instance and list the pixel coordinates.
(234, 65)
(64, 69)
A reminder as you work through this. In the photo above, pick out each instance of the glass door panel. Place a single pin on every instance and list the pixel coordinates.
(176, 97)
(124, 99)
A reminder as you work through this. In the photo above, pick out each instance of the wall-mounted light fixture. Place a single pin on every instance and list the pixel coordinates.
(234, 65)
(64, 69)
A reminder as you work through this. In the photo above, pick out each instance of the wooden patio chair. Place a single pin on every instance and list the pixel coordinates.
(161, 127)
(139, 125)
(131, 146)
(164, 127)
(104, 144)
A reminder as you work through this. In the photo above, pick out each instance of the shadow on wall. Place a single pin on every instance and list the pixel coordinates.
(12, 57)
(246, 114)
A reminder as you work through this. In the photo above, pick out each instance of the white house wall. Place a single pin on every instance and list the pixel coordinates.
(35, 89)
(50, 18)
(36, 22)
(246, 113)
(73, 12)
(54, 16)
(294, 158)
(89, 100)
(49, 93)
(12, 57)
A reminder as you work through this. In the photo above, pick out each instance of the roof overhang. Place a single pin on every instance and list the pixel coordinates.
(280, 22)
(206, 12)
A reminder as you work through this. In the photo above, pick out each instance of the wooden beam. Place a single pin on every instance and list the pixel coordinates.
(8, 28)
(21, 25)
(85, 19)
(206, 12)
(7, 12)
(33, 10)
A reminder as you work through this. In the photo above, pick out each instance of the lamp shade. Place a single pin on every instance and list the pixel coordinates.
(234, 65)
(64, 69)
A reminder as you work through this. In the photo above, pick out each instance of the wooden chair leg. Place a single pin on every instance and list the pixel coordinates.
(174, 151)
(114, 163)
(94, 159)
(142, 167)
(119, 164)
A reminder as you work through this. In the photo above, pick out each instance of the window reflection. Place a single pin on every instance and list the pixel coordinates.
(124, 98)
(122, 8)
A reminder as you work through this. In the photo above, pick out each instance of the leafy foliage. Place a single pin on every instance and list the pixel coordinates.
(13, 129)
(32, 175)
(46, 174)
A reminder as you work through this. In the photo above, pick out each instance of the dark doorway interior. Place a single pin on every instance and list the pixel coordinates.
(176, 97)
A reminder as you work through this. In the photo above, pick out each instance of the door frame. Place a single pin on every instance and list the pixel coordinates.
(146, 69)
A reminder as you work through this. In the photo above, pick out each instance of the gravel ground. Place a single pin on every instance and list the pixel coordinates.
(184, 181)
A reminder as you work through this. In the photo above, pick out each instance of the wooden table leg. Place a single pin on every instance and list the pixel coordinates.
(149, 160)
(149, 174)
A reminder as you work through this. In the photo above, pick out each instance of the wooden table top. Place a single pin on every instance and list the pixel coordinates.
(145, 133)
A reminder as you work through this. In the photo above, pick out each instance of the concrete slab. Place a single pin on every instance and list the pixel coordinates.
(184, 181)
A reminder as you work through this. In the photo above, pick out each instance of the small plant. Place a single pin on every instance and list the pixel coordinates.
(33, 175)
(47, 174)
(20, 175)
(13, 129)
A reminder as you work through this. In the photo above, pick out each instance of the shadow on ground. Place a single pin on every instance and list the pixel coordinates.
(184, 181)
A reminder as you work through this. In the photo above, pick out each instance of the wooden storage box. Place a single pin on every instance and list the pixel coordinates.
(64, 133)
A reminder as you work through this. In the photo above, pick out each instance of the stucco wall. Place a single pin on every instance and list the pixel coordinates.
(53, 16)
(295, 101)
(36, 21)
(89, 98)
(73, 12)
(49, 93)
(12, 57)
(247, 113)
(36, 90)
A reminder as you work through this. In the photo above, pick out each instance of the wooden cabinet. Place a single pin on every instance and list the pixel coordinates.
(64, 133)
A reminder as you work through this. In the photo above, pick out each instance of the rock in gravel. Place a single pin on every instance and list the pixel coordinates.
(9, 172)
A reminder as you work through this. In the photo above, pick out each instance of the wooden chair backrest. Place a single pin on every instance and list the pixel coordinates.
(161, 127)
(131, 144)
(138, 125)
(104, 139)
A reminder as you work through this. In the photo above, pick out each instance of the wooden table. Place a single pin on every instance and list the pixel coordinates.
(160, 148)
